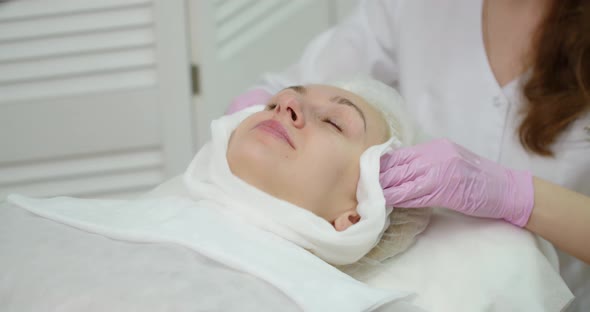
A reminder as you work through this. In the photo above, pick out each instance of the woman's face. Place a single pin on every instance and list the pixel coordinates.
(305, 148)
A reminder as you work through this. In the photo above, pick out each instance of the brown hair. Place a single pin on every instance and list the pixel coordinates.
(558, 91)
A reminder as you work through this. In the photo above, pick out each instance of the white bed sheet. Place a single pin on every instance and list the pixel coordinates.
(465, 264)
(171, 220)
(49, 266)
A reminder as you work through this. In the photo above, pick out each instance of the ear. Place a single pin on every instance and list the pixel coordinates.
(346, 219)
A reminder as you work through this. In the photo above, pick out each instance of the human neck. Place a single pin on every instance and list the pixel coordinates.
(509, 28)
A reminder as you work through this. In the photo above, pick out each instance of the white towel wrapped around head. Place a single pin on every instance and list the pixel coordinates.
(209, 177)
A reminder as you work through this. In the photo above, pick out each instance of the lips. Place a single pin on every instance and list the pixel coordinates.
(276, 129)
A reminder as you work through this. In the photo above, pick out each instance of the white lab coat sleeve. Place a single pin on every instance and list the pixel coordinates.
(363, 44)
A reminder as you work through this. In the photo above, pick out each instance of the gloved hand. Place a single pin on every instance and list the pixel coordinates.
(441, 173)
(249, 98)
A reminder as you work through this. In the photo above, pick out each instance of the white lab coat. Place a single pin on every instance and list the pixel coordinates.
(433, 52)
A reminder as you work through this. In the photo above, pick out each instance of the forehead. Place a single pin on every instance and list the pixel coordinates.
(331, 91)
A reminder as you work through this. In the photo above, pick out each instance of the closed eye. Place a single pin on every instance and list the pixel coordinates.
(330, 122)
(271, 106)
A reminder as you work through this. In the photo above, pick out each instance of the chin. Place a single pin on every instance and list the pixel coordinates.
(248, 160)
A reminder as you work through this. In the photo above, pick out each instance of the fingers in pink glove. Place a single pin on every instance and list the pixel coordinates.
(248, 99)
(399, 174)
(411, 194)
(397, 157)
(442, 173)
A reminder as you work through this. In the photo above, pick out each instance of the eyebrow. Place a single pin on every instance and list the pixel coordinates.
(298, 89)
(335, 99)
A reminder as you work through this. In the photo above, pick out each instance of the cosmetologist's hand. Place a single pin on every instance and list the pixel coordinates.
(443, 174)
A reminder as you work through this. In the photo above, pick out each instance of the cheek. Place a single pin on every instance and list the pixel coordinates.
(233, 150)
(239, 148)
(333, 155)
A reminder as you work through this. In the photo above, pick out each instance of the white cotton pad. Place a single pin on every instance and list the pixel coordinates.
(209, 177)
(403, 224)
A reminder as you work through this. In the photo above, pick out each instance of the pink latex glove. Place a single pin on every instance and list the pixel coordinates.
(443, 174)
(250, 98)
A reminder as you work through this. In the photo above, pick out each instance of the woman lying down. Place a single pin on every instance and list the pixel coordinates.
(268, 216)
(278, 194)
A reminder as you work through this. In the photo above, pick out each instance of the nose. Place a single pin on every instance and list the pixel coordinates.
(290, 107)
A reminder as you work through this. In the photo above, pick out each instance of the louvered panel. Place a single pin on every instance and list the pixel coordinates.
(239, 23)
(19, 10)
(94, 100)
(84, 175)
(242, 15)
(219, 2)
(35, 171)
(118, 79)
(61, 25)
(225, 10)
(75, 65)
(76, 44)
(57, 128)
(91, 186)
(86, 48)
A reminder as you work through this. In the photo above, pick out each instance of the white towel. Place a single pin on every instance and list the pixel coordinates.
(311, 283)
(209, 177)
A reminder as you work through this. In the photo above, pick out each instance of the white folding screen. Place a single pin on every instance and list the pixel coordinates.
(94, 96)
